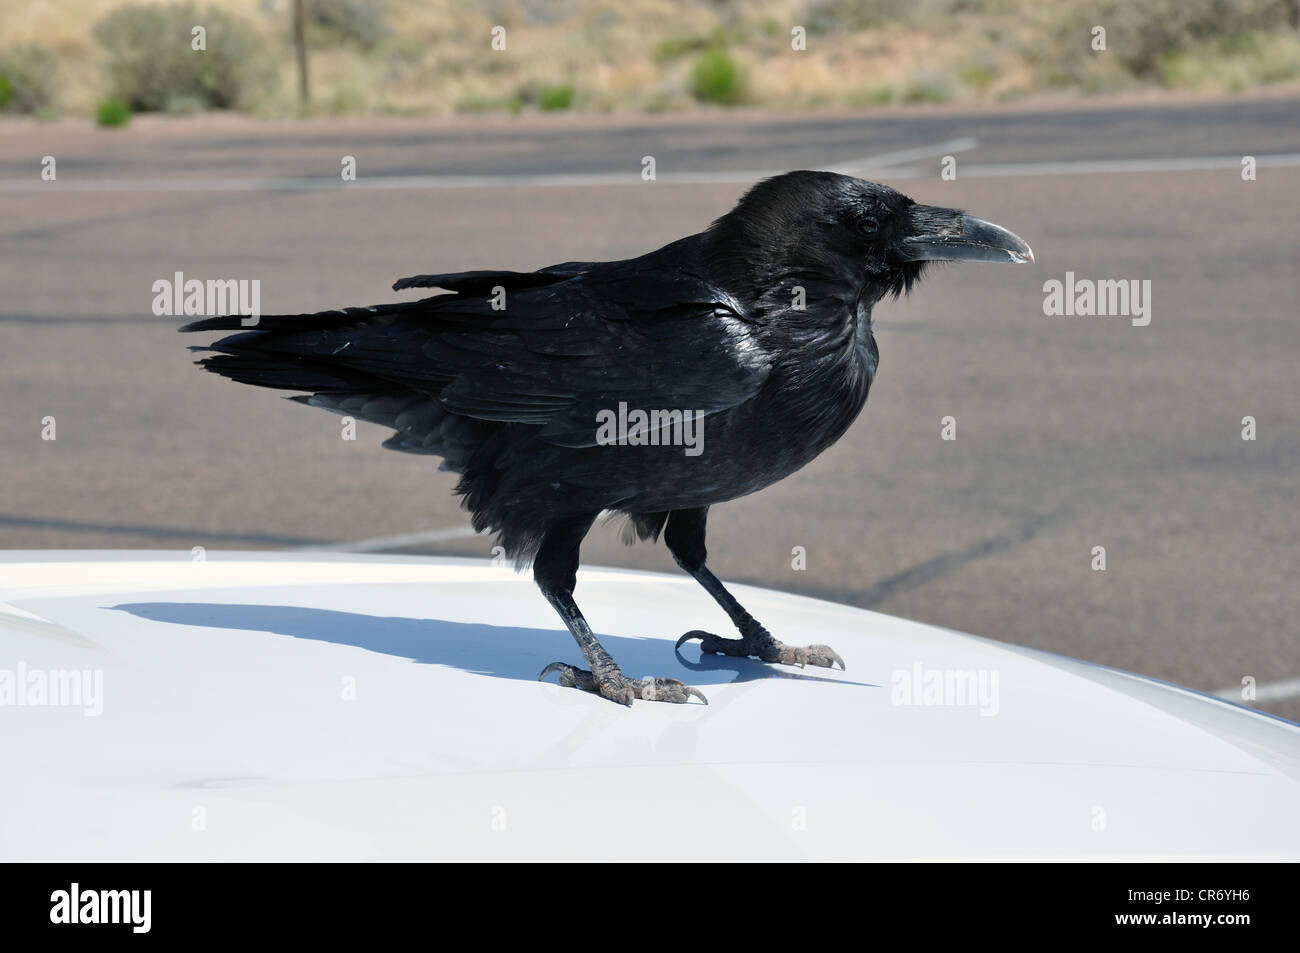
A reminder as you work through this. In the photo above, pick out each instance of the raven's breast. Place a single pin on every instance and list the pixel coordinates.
(807, 402)
(803, 408)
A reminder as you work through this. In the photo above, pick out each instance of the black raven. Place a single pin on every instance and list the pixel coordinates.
(652, 387)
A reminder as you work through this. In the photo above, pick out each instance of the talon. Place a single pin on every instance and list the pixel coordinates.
(758, 643)
(826, 657)
(693, 634)
(553, 667)
(697, 693)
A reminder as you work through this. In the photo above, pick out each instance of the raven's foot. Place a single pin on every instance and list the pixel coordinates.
(616, 686)
(761, 645)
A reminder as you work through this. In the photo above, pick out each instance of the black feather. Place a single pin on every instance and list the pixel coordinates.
(511, 397)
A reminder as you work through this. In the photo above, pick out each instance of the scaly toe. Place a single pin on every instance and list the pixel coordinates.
(710, 643)
(666, 690)
(762, 646)
(696, 634)
(617, 687)
(825, 657)
(570, 676)
(820, 656)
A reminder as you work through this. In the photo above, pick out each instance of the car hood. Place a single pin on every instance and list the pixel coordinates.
(222, 705)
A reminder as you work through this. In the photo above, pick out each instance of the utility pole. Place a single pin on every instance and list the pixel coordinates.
(300, 43)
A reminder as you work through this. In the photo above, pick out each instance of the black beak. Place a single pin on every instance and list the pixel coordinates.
(944, 234)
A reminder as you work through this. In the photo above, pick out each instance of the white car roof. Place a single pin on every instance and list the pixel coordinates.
(304, 706)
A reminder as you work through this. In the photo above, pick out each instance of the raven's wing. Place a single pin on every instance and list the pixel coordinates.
(482, 282)
(558, 355)
(553, 354)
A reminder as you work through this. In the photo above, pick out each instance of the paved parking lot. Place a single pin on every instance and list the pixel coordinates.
(1072, 433)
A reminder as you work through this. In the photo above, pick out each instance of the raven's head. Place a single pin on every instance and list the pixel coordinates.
(834, 227)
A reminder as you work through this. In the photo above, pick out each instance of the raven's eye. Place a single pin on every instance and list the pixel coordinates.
(868, 226)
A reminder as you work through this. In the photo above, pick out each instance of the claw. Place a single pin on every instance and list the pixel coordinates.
(823, 656)
(621, 690)
(763, 646)
(693, 634)
(666, 689)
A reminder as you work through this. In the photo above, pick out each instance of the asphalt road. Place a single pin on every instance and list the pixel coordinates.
(1072, 433)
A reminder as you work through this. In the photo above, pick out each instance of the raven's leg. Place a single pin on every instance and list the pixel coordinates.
(555, 570)
(684, 535)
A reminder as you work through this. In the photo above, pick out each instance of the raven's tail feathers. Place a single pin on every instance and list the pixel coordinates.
(320, 321)
(354, 363)
(262, 370)
(283, 350)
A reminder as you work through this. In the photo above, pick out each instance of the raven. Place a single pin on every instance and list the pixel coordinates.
(754, 334)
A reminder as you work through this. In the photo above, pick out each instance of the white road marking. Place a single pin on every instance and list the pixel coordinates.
(1093, 166)
(949, 147)
(570, 179)
(1267, 692)
(399, 541)
(884, 163)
